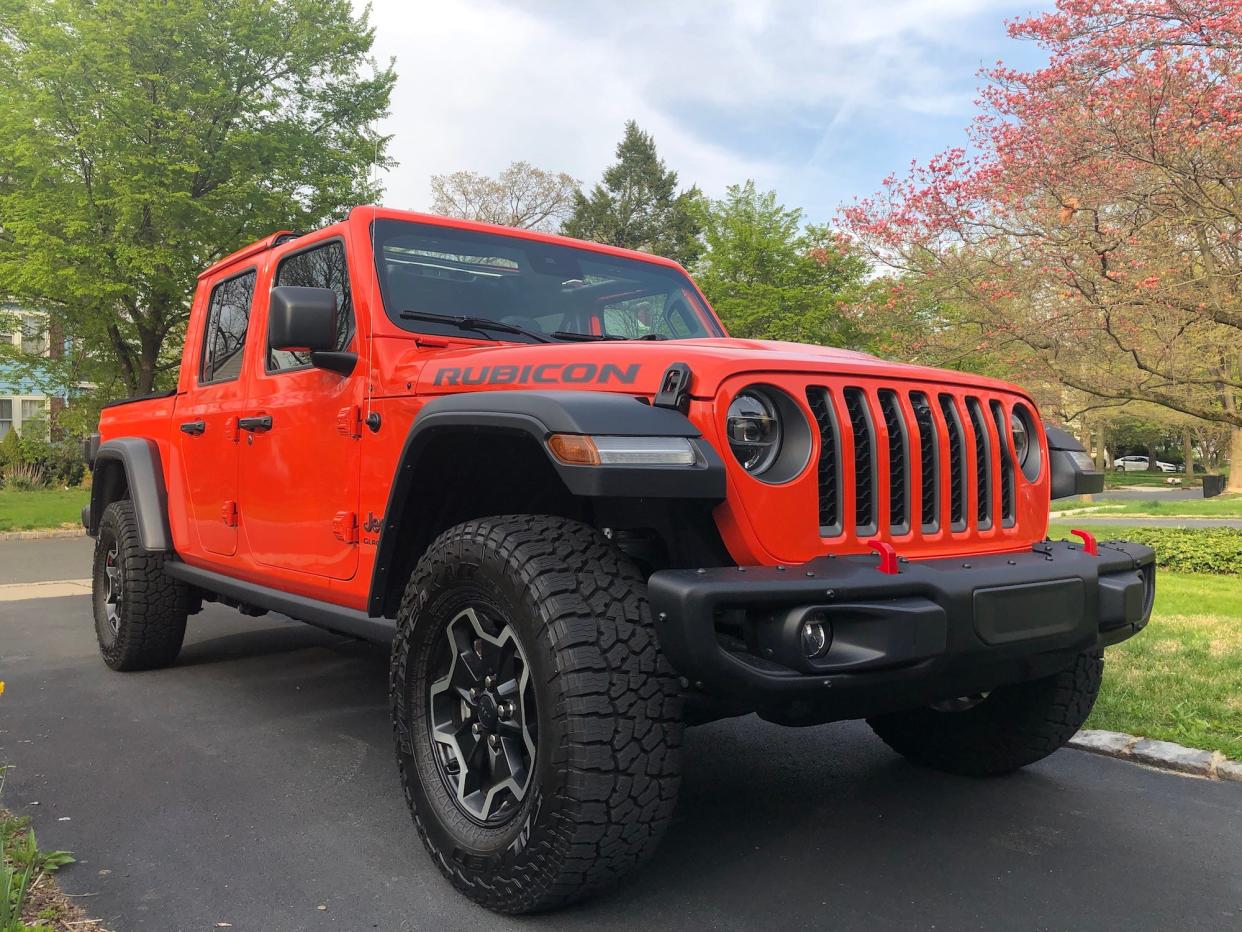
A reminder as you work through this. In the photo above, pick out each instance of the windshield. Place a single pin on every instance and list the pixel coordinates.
(552, 291)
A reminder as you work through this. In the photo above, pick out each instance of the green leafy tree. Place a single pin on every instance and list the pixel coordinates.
(769, 277)
(637, 205)
(145, 139)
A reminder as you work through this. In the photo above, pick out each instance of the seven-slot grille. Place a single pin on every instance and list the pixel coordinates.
(943, 457)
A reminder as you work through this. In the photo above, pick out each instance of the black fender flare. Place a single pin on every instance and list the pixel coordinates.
(538, 415)
(139, 459)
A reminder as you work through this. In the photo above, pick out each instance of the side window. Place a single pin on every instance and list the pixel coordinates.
(228, 317)
(321, 267)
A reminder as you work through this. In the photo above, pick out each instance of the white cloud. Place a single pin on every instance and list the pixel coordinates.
(730, 89)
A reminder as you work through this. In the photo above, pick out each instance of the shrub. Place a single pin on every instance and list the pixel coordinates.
(25, 477)
(64, 464)
(10, 450)
(1189, 550)
(60, 462)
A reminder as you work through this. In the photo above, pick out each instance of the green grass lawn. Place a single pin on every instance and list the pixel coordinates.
(1180, 679)
(1121, 480)
(1222, 506)
(47, 508)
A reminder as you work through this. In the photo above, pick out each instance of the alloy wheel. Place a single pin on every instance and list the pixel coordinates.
(482, 717)
(112, 594)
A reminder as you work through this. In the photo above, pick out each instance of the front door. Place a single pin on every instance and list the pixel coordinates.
(206, 417)
(301, 431)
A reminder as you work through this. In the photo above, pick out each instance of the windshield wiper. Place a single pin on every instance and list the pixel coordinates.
(481, 324)
(574, 335)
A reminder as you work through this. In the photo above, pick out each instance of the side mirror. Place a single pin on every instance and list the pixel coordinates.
(304, 320)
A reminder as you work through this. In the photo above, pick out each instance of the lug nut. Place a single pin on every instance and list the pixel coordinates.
(505, 710)
(476, 729)
(489, 681)
(493, 742)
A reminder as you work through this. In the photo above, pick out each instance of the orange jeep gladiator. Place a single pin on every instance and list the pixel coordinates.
(585, 518)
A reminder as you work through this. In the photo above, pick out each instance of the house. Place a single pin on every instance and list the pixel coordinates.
(22, 405)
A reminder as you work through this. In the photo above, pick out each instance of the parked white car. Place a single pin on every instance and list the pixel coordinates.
(1139, 464)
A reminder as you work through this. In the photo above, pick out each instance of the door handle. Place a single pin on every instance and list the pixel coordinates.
(194, 427)
(256, 425)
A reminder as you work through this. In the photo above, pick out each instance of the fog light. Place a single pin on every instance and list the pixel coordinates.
(814, 638)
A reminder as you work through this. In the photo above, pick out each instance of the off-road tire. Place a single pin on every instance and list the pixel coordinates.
(1014, 726)
(607, 766)
(152, 607)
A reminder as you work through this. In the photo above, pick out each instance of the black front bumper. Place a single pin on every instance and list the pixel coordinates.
(936, 629)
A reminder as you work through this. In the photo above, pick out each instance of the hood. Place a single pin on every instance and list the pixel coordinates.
(636, 367)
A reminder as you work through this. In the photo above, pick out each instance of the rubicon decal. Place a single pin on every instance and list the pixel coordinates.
(550, 372)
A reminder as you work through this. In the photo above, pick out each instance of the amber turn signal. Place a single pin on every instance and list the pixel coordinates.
(574, 449)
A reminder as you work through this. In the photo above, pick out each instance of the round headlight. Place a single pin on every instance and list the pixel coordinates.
(1021, 438)
(753, 425)
(1026, 446)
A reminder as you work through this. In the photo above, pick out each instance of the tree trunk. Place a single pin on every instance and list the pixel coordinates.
(1101, 449)
(148, 359)
(1235, 460)
(1188, 453)
(1151, 459)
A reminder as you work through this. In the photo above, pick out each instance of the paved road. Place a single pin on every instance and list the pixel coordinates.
(24, 561)
(254, 782)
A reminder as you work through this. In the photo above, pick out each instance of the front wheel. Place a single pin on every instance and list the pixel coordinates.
(1008, 728)
(538, 725)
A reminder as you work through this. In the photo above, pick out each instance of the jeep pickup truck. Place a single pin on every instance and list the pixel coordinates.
(585, 518)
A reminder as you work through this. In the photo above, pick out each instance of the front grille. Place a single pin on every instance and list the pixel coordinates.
(829, 463)
(864, 460)
(957, 464)
(1007, 478)
(898, 480)
(983, 464)
(929, 460)
(918, 461)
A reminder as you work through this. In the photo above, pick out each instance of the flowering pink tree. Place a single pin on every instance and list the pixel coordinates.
(1094, 226)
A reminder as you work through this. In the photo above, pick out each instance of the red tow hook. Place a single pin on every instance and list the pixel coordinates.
(888, 555)
(1089, 546)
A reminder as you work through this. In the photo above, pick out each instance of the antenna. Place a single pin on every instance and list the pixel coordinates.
(373, 302)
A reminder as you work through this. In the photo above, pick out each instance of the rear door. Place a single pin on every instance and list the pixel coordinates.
(300, 456)
(206, 416)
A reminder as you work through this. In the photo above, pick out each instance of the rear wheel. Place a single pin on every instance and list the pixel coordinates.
(1000, 731)
(538, 726)
(140, 613)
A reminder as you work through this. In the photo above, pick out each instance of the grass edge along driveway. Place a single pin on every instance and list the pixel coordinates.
(1180, 679)
(42, 509)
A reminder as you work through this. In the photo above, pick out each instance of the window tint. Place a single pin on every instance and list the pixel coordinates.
(321, 267)
(228, 316)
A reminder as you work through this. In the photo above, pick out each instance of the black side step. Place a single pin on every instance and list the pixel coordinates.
(325, 615)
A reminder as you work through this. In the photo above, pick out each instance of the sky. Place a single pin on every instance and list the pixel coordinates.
(817, 100)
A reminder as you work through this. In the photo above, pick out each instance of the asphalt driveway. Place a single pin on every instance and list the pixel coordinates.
(254, 782)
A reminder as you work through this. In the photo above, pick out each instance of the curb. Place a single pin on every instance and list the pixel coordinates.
(1165, 755)
(49, 534)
